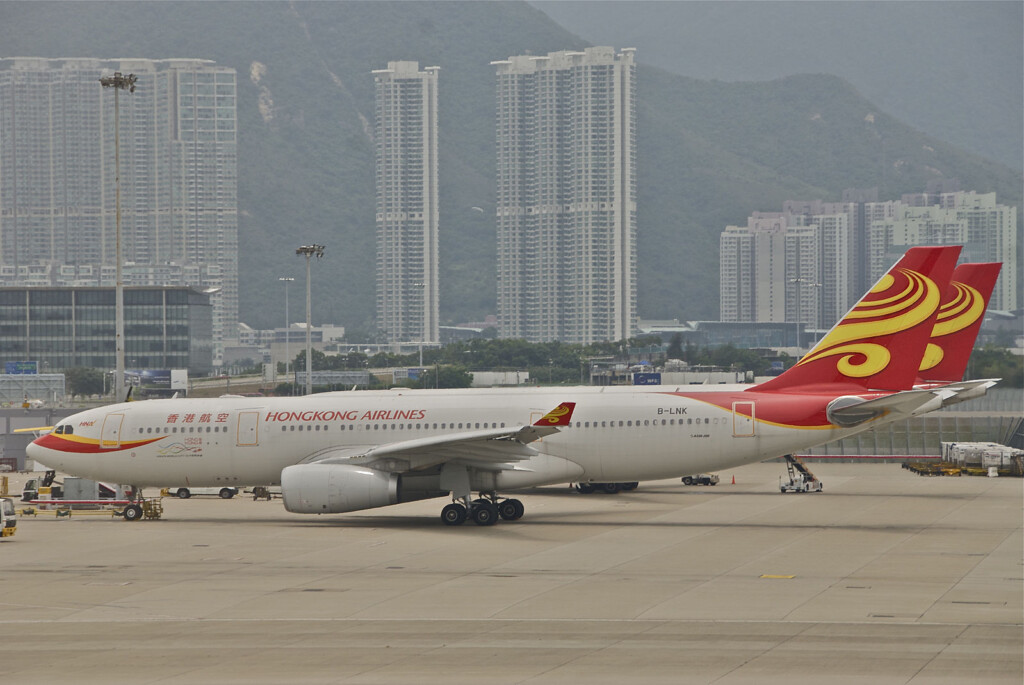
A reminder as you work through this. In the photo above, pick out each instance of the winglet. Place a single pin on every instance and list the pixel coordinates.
(559, 416)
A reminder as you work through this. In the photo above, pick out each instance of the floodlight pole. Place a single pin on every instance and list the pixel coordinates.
(287, 329)
(309, 251)
(118, 82)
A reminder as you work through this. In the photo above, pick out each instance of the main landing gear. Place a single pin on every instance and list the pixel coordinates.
(485, 511)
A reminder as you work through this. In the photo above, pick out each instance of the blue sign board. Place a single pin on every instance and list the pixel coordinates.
(21, 367)
(148, 378)
(646, 379)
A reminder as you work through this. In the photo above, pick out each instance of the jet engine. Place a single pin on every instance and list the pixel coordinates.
(334, 488)
(337, 488)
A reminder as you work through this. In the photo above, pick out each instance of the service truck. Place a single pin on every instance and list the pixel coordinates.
(8, 517)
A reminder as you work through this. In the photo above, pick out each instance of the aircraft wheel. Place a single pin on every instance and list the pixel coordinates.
(485, 513)
(133, 512)
(629, 486)
(511, 510)
(454, 514)
(183, 493)
(610, 488)
(584, 488)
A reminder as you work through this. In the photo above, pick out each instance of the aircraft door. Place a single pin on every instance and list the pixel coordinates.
(110, 433)
(248, 428)
(743, 420)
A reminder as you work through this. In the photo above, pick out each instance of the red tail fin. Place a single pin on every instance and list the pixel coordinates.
(958, 321)
(880, 342)
(559, 416)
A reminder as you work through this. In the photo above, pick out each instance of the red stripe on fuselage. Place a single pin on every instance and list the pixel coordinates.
(796, 410)
(59, 443)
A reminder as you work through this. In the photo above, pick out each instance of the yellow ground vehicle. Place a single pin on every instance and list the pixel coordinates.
(8, 517)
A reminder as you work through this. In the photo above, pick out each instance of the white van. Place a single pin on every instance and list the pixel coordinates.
(224, 492)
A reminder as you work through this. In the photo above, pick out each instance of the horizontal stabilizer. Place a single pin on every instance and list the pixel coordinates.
(849, 411)
(968, 390)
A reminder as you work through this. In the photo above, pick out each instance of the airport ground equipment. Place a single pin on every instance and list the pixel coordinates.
(31, 490)
(150, 509)
(978, 458)
(8, 517)
(266, 492)
(948, 468)
(225, 492)
(72, 493)
(798, 477)
(972, 459)
(702, 479)
(607, 488)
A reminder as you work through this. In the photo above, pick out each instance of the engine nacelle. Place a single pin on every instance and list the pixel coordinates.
(336, 488)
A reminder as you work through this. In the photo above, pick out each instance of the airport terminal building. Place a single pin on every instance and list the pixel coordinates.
(178, 177)
(62, 328)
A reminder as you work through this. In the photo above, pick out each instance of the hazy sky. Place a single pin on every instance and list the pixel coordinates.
(952, 69)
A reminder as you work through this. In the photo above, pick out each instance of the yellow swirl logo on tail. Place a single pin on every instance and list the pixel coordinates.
(893, 305)
(559, 416)
(963, 310)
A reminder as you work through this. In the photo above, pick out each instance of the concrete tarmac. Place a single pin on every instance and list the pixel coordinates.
(885, 577)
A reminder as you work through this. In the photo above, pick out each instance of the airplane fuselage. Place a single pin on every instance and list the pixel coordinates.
(616, 434)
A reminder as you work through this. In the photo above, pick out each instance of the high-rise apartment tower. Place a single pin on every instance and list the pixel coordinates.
(566, 195)
(179, 178)
(407, 194)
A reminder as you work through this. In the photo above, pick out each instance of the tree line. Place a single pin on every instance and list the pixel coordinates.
(557, 363)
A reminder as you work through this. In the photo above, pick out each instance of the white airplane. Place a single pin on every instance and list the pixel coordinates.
(348, 451)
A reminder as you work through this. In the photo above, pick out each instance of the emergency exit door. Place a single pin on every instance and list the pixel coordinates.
(743, 421)
(248, 428)
(110, 433)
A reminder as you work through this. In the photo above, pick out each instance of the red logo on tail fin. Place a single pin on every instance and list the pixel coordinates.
(559, 416)
(958, 320)
(880, 342)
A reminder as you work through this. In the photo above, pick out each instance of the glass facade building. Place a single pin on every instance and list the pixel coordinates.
(178, 177)
(62, 328)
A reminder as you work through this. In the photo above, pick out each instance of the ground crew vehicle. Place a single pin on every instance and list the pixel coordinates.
(798, 477)
(225, 492)
(73, 489)
(701, 479)
(607, 488)
(8, 517)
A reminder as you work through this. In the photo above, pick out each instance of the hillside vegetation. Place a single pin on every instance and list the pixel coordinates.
(709, 152)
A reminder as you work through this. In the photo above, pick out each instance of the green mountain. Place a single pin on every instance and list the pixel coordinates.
(709, 152)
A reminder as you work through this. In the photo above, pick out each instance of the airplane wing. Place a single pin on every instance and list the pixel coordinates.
(491, 448)
(37, 431)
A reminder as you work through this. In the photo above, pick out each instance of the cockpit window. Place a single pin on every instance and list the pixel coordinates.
(64, 430)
